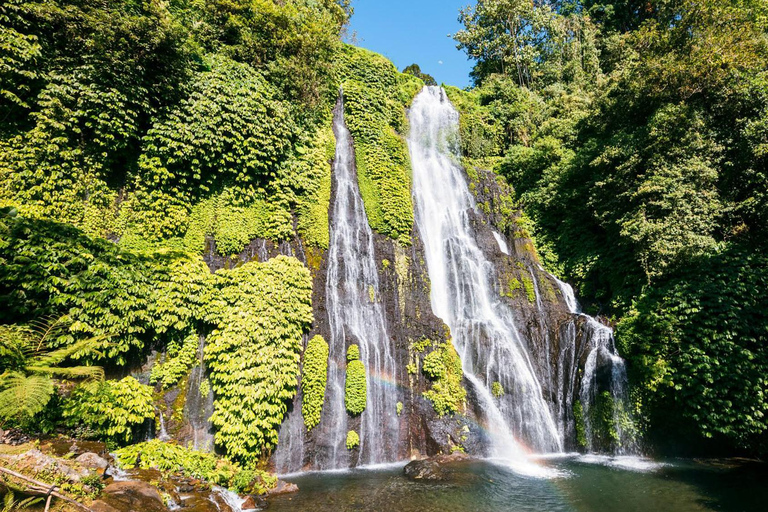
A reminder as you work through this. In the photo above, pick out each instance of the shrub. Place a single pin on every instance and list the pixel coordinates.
(173, 458)
(353, 440)
(353, 353)
(180, 357)
(446, 394)
(260, 312)
(313, 381)
(355, 391)
(114, 410)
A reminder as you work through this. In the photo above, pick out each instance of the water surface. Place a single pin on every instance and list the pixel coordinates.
(586, 484)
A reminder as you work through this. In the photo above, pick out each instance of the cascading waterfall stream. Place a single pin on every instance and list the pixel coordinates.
(602, 354)
(462, 293)
(356, 315)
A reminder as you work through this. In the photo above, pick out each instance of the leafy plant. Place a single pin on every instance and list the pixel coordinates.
(259, 314)
(179, 358)
(353, 440)
(29, 366)
(176, 459)
(115, 410)
(446, 393)
(355, 389)
(313, 381)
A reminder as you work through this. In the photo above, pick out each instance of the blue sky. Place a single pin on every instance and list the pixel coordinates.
(408, 31)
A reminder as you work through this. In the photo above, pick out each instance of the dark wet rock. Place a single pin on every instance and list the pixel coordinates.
(130, 496)
(425, 469)
(13, 437)
(254, 503)
(283, 487)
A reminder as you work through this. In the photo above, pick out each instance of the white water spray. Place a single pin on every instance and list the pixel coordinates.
(462, 294)
(356, 315)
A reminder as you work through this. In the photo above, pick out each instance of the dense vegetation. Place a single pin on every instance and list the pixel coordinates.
(635, 136)
(137, 136)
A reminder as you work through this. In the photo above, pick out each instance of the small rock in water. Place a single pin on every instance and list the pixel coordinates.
(254, 503)
(283, 487)
(425, 469)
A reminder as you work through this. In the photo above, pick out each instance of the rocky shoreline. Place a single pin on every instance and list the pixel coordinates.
(86, 473)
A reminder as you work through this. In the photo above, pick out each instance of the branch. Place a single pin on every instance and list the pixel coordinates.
(43, 489)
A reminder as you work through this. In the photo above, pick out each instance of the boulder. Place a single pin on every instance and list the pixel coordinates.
(91, 460)
(282, 487)
(432, 468)
(35, 462)
(254, 502)
(129, 496)
(425, 469)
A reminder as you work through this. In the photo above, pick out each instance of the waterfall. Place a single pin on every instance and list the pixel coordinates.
(463, 294)
(355, 315)
(604, 371)
(198, 407)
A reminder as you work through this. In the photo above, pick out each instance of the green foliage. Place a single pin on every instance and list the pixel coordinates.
(496, 389)
(18, 55)
(355, 388)
(534, 43)
(399, 408)
(176, 459)
(353, 440)
(697, 346)
(578, 419)
(294, 40)
(231, 130)
(312, 172)
(353, 352)
(179, 358)
(115, 410)
(313, 380)
(11, 504)
(124, 299)
(479, 133)
(260, 313)
(433, 365)
(601, 421)
(375, 96)
(530, 290)
(443, 366)
(415, 70)
(100, 70)
(28, 365)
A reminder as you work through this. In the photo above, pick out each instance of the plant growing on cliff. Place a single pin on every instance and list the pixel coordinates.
(355, 391)
(115, 410)
(443, 366)
(260, 312)
(180, 357)
(497, 389)
(313, 381)
(353, 440)
(578, 419)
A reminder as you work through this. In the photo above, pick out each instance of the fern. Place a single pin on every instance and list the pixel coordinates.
(29, 365)
(23, 395)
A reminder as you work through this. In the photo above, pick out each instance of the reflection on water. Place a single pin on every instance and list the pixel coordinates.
(585, 484)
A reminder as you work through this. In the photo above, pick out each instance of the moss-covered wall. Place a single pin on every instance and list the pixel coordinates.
(375, 98)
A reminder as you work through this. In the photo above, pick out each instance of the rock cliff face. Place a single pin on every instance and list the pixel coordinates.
(557, 338)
